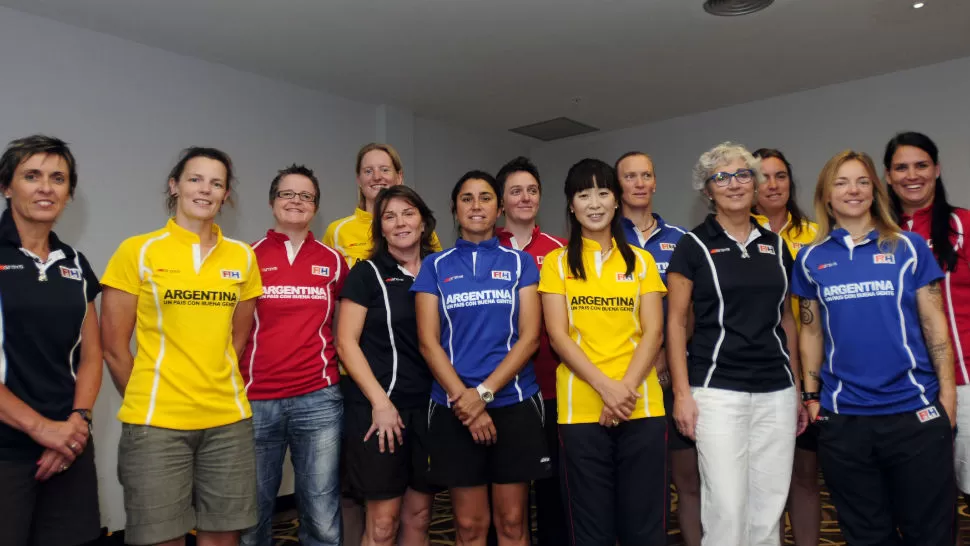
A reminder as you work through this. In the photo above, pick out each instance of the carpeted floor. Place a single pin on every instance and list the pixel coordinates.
(443, 529)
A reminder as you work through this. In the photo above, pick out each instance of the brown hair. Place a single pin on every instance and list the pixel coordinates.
(882, 218)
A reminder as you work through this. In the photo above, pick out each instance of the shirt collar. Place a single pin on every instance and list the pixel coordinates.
(505, 236)
(188, 237)
(590, 245)
(388, 264)
(9, 234)
(278, 237)
(926, 211)
(462, 244)
(363, 216)
(762, 220)
(842, 237)
(714, 228)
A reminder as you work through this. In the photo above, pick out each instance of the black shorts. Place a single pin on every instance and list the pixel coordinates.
(675, 440)
(372, 475)
(63, 510)
(808, 440)
(520, 455)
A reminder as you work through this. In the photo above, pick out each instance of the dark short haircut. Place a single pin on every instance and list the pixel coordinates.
(520, 164)
(301, 170)
(940, 210)
(22, 149)
(191, 153)
(403, 192)
(584, 175)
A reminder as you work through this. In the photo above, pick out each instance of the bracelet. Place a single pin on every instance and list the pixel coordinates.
(84, 413)
(811, 402)
(806, 396)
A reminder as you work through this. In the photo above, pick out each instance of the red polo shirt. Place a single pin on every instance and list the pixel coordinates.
(956, 284)
(291, 349)
(546, 361)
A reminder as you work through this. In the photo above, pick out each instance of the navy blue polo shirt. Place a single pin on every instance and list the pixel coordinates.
(42, 308)
(477, 286)
(876, 362)
(661, 242)
(740, 290)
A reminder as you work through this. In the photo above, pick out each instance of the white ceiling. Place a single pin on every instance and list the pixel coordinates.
(499, 64)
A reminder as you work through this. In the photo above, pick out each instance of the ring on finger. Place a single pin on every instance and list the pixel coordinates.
(615, 421)
(63, 467)
(73, 446)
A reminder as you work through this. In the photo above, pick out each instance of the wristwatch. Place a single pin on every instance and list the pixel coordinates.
(487, 395)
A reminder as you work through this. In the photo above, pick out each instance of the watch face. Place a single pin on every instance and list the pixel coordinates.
(489, 397)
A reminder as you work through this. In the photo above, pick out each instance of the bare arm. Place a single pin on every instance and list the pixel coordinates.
(811, 350)
(90, 369)
(929, 301)
(618, 398)
(679, 293)
(348, 347)
(242, 324)
(118, 314)
(791, 332)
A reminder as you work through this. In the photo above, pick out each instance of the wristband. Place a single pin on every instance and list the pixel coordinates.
(84, 413)
(806, 396)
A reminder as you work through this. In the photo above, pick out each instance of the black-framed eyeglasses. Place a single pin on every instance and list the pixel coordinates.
(290, 194)
(743, 176)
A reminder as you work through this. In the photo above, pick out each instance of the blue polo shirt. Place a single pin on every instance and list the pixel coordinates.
(876, 361)
(660, 243)
(477, 286)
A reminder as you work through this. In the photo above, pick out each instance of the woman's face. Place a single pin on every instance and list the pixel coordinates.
(376, 173)
(850, 194)
(476, 208)
(774, 192)
(521, 197)
(401, 224)
(40, 188)
(298, 209)
(737, 192)
(912, 175)
(637, 180)
(594, 209)
(201, 189)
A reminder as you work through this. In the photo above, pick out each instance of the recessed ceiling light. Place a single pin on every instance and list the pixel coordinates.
(735, 7)
(918, 5)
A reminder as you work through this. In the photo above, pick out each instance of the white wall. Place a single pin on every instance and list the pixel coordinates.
(809, 127)
(127, 110)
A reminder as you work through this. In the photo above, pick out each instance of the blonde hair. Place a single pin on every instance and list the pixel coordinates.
(370, 147)
(882, 218)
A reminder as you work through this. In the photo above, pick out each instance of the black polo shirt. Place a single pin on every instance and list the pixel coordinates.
(740, 291)
(384, 288)
(42, 308)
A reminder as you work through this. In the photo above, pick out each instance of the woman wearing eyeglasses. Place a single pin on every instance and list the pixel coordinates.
(290, 364)
(735, 393)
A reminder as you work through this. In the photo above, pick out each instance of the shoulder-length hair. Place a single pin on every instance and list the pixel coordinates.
(797, 216)
(588, 174)
(940, 228)
(413, 199)
(882, 218)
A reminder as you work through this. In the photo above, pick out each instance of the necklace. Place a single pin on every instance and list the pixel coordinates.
(865, 233)
(650, 226)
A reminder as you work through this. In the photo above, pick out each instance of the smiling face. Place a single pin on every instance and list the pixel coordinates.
(401, 224)
(734, 196)
(912, 176)
(774, 192)
(39, 189)
(594, 209)
(294, 212)
(201, 189)
(521, 197)
(476, 209)
(637, 180)
(377, 172)
(850, 194)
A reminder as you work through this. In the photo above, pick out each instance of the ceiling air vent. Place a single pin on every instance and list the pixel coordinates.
(554, 129)
(729, 8)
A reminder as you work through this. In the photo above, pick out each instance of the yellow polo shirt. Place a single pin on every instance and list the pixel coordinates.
(794, 242)
(351, 236)
(186, 374)
(604, 320)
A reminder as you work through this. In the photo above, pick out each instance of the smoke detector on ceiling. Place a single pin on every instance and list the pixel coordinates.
(730, 8)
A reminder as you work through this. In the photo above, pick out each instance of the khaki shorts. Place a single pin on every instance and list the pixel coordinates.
(179, 480)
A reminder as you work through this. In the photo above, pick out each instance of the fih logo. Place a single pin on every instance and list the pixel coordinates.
(883, 259)
(766, 249)
(69, 273)
(502, 275)
(668, 246)
(320, 270)
(233, 274)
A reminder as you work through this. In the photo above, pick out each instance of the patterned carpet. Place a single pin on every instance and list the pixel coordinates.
(443, 529)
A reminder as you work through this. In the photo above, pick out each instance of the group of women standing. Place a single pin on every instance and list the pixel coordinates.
(515, 357)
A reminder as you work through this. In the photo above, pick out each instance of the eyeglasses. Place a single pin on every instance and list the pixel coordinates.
(743, 176)
(290, 194)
